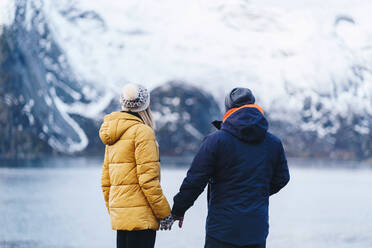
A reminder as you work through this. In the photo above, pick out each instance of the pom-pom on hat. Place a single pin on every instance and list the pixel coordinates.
(134, 98)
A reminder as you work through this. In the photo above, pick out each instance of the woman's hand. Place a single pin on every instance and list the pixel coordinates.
(166, 224)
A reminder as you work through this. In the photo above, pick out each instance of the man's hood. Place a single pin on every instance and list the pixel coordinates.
(247, 123)
(115, 125)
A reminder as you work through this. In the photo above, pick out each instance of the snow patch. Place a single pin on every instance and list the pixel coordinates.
(193, 131)
(71, 146)
(27, 110)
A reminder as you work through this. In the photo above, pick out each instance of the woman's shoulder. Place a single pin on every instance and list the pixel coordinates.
(144, 132)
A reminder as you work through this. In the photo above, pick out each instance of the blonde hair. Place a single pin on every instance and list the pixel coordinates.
(147, 118)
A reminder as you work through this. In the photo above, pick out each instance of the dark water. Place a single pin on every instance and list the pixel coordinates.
(58, 203)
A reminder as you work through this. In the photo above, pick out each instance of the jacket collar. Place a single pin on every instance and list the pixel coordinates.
(233, 110)
(247, 123)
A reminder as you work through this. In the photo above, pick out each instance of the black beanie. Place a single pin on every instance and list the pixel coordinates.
(239, 97)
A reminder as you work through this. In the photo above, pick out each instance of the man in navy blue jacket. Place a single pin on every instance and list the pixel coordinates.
(243, 164)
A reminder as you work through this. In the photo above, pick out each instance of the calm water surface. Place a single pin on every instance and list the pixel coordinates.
(57, 203)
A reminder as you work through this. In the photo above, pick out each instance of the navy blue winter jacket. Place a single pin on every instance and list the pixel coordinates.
(244, 164)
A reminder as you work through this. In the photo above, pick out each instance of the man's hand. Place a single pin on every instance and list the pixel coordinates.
(180, 220)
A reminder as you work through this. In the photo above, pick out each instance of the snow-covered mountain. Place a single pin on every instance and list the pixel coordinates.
(309, 63)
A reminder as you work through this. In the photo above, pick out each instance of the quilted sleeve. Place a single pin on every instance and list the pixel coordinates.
(148, 171)
(105, 181)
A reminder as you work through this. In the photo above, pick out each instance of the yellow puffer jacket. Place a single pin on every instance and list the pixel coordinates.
(131, 174)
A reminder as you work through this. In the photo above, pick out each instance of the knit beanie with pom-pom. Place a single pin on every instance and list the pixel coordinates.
(134, 98)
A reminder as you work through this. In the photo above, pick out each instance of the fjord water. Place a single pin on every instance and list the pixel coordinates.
(57, 203)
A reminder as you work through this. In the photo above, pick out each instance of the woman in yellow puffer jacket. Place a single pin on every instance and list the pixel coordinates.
(131, 171)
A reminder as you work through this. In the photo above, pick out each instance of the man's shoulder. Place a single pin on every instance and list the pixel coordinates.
(215, 136)
(273, 139)
(218, 134)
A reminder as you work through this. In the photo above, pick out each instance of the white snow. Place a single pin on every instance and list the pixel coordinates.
(166, 117)
(285, 51)
(72, 146)
(193, 131)
(27, 110)
(274, 48)
(91, 110)
(28, 106)
(48, 100)
(6, 13)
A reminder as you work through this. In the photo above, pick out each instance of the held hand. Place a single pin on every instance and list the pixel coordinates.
(180, 220)
(166, 224)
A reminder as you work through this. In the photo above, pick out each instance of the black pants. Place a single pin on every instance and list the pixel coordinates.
(214, 243)
(135, 239)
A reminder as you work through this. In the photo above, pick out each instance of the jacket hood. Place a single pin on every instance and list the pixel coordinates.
(115, 125)
(247, 123)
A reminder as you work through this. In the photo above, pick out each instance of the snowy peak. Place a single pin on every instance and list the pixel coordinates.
(307, 62)
(48, 87)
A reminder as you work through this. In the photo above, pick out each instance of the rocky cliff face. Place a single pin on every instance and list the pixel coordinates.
(21, 134)
(40, 91)
(183, 115)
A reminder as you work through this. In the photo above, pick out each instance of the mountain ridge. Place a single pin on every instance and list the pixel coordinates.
(56, 84)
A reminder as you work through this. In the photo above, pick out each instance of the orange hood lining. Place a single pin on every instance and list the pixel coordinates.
(233, 110)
